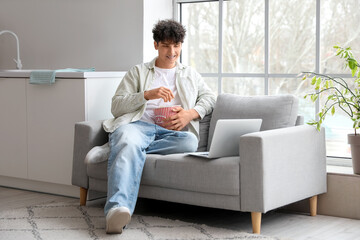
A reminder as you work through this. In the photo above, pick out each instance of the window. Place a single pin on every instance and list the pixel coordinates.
(259, 47)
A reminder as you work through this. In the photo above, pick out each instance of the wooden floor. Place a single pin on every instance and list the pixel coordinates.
(279, 224)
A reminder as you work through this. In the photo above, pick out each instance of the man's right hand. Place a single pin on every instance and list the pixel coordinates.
(161, 92)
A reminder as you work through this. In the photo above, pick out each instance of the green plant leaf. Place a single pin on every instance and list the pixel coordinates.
(352, 63)
(314, 97)
(313, 80)
(333, 110)
(326, 84)
(317, 84)
(353, 71)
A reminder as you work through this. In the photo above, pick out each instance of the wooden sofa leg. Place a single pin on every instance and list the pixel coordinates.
(313, 205)
(256, 222)
(83, 196)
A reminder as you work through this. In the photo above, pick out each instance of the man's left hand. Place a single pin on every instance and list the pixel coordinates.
(181, 119)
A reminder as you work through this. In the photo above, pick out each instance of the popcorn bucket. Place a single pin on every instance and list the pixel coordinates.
(163, 112)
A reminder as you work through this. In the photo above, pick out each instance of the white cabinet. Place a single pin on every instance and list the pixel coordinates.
(52, 112)
(37, 124)
(13, 134)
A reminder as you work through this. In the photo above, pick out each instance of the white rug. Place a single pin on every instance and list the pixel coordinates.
(70, 221)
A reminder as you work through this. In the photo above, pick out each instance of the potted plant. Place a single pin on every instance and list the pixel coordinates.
(339, 93)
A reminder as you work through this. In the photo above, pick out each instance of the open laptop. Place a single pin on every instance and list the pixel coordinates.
(225, 141)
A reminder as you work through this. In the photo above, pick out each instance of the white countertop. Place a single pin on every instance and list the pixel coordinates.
(4, 73)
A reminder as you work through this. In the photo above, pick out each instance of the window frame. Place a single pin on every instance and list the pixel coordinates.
(177, 10)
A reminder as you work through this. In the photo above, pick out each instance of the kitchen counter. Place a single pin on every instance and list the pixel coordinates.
(37, 125)
(5, 73)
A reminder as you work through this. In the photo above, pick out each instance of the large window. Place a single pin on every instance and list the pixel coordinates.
(259, 47)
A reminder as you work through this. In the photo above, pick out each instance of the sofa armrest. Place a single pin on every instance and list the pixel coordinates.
(87, 135)
(281, 166)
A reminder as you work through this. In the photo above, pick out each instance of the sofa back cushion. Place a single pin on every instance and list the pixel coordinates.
(276, 111)
(204, 126)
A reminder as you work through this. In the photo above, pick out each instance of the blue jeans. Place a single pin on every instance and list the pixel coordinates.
(128, 147)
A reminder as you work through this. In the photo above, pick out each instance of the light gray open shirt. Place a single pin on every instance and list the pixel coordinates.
(128, 104)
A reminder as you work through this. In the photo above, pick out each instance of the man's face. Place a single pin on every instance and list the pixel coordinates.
(169, 53)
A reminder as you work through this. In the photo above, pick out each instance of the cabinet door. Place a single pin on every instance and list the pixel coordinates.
(53, 111)
(13, 148)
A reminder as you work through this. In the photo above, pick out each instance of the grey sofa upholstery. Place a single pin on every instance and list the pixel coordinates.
(281, 164)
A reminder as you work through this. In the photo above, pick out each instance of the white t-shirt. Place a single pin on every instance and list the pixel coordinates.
(163, 78)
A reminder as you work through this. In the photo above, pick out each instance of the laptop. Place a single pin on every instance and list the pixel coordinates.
(225, 141)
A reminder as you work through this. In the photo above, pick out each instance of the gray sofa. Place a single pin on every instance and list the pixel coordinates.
(281, 164)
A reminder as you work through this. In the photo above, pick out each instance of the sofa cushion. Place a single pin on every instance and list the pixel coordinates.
(276, 111)
(184, 172)
(180, 171)
(204, 126)
(98, 170)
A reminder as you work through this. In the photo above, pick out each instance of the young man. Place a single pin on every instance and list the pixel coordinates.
(133, 132)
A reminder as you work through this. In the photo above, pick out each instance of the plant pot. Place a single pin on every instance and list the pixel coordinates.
(354, 141)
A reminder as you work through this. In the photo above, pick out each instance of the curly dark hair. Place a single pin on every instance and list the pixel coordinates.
(169, 30)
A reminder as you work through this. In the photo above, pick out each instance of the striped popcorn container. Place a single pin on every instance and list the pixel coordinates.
(163, 112)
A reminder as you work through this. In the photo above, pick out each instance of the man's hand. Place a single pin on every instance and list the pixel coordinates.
(181, 119)
(161, 92)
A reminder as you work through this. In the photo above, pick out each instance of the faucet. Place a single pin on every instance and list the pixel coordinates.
(18, 61)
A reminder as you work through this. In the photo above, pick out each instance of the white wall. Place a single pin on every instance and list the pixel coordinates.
(53, 34)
